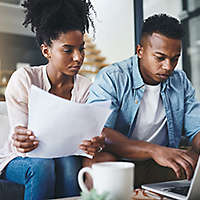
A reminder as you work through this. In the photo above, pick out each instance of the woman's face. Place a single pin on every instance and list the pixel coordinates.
(66, 53)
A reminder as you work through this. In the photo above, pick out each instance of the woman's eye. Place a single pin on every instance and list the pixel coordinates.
(67, 50)
(82, 49)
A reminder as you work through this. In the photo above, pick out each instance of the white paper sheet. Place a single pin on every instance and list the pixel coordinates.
(61, 125)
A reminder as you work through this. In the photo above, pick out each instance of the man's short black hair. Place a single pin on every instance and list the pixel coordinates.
(50, 18)
(163, 24)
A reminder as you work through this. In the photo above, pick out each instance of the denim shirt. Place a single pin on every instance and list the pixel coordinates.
(123, 85)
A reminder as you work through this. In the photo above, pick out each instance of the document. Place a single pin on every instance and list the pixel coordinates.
(61, 125)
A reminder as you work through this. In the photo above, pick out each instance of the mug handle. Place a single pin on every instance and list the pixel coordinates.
(80, 178)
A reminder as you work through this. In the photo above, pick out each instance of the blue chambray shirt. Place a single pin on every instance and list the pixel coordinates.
(123, 85)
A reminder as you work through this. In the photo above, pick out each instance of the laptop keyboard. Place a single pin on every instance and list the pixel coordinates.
(179, 190)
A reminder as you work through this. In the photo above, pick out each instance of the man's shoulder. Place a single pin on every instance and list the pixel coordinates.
(122, 67)
(179, 72)
(178, 75)
(178, 80)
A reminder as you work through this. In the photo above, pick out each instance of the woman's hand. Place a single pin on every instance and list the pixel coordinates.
(24, 139)
(93, 146)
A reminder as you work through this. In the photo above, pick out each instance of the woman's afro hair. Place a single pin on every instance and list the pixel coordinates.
(50, 18)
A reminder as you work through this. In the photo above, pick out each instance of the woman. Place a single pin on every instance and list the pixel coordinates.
(60, 26)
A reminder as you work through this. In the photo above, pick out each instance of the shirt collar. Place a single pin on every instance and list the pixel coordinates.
(166, 84)
(137, 78)
(138, 82)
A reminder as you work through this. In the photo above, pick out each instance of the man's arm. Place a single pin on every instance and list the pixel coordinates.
(176, 159)
(105, 88)
(196, 143)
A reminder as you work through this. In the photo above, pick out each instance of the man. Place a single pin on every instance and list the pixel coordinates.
(152, 105)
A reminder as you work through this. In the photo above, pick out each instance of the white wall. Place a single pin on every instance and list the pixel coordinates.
(170, 7)
(115, 29)
(11, 19)
(114, 26)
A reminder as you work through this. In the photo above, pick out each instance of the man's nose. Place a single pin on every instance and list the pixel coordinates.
(167, 65)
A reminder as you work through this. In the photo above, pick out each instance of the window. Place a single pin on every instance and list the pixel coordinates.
(191, 43)
(16, 50)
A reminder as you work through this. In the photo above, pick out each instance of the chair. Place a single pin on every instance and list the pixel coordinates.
(8, 190)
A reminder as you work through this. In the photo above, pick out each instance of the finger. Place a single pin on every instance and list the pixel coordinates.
(191, 158)
(88, 149)
(99, 139)
(95, 139)
(32, 137)
(22, 131)
(98, 148)
(83, 147)
(92, 145)
(25, 145)
(90, 153)
(92, 149)
(27, 149)
(187, 168)
(176, 168)
(23, 138)
(97, 145)
(87, 142)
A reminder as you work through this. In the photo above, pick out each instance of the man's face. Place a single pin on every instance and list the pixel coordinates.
(158, 56)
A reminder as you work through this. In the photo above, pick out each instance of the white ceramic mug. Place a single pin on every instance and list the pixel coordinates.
(116, 178)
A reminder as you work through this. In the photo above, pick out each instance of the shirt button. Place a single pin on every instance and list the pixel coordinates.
(136, 101)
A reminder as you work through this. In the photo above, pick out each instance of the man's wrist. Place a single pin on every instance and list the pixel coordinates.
(196, 143)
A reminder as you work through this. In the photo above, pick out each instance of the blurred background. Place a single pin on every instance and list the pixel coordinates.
(117, 34)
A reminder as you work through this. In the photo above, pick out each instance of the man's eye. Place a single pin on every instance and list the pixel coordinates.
(174, 60)
(160, 58)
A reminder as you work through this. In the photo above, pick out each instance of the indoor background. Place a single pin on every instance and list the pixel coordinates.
(118, 26)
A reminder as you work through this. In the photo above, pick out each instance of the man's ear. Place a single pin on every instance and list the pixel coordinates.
(45, 51)
(139, 50)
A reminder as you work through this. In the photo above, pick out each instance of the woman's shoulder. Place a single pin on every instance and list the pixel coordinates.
(24, 77)
(30, 74)
(35, 70)
(28, 71)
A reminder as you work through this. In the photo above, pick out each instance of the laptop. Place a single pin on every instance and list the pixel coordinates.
(181, 189)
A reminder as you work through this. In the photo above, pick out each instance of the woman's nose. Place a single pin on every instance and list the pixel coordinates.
(77, 56)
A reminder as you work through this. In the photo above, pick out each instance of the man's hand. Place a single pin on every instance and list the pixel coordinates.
(177, 159)
(181, 161)
(93, 146)
(24, 139)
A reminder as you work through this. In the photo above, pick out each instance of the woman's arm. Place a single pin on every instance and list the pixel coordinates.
(17, 104)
